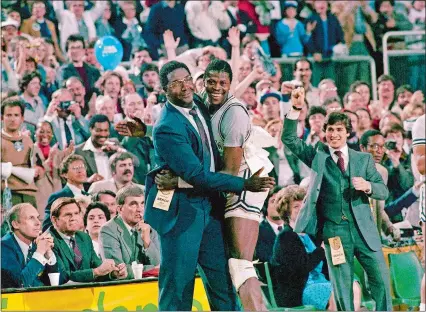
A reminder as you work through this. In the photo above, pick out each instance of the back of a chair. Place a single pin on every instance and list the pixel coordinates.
(406, 275)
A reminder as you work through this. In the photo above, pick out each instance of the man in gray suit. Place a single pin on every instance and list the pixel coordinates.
(126, 238)
(337, 205)
(122, 167)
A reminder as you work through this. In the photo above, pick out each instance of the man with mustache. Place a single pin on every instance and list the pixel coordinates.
(98, 148)
(122, 167)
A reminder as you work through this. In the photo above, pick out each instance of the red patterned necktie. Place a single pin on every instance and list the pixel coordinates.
(340, 161)
(78, 258)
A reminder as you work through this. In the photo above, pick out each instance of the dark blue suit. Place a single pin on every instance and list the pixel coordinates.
(189, 234)
(265, 242)
(65, 192)
(15, 273)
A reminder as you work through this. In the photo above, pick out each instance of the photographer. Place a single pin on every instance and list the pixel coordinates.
(67, 121)
(398, 162)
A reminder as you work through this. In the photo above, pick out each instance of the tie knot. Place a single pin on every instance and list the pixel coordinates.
(280, 228)
(193, 112)
(338, 153)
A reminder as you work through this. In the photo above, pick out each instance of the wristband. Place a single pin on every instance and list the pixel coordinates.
(295, 108)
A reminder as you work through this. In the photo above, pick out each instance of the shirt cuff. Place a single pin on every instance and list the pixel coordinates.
(49, 118)
(51, 260)
(182, 184)
(40, 258)
(369, 191)
(293, 114)
(415, 191)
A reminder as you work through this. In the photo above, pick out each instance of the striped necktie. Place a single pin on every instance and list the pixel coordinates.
(78, 258)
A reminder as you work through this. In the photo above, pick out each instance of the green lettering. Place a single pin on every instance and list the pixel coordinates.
(4, 303)
(150, 307)
(101, 301)
(120, 308)
(197, 304)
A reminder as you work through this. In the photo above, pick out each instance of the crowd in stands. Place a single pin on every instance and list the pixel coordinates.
(81, 182)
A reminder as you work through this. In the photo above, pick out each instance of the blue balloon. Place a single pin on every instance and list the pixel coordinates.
(109, 52)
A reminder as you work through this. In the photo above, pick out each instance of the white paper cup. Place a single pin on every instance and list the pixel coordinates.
(54, 279)
(137, 270)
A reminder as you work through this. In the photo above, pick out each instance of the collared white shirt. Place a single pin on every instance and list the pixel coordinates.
(67, 239)
(128, 227)
(285, 173)
(36, 255)
(75, 190)
(97, 248)
(345, 155)
(101, 159)
(275, 226)
(185, 112)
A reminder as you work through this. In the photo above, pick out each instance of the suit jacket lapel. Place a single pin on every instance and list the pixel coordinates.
(185, 121)
(125, 235)
(63, 247)
(90, 159)
(19, 251)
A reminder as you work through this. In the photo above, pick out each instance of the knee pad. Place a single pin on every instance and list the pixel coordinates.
(240, 270)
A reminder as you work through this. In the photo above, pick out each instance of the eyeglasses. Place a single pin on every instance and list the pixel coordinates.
(181, 82)
(375, 147)
(78, 168)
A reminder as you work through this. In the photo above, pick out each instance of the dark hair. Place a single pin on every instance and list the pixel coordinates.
(96, 205)
(14, 101)
(98, 118)
(302, 59)
(169, 68)
(139, 49)
(332, 100)
(40, 123)
(97, 196)
(59, 203)
(378, 4)
(26, 79)
(316, 110)
(364, 110)
(74, 38)
(92, 43)
(394, 128)
(336, 117)
(64, 166)
(128, 191)
(358, 83)
(119, 157)
(149, 67)
(218, 66)
(366, 136)
(384, 77)
(404, 88)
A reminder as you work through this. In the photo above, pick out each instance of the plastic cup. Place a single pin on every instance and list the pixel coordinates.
(137, 270)
(54, 279)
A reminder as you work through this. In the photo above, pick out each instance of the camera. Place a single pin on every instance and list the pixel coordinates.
(390, 145)
(65, 105)
(161, 98)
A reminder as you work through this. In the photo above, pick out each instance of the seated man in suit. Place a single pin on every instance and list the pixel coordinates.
(98, 148)
(269, 229)
(126, 238)
(122, 168)
(74, 249)
(73, 170)
(27, 256)
(67, 120)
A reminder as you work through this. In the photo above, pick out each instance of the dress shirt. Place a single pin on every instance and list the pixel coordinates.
(185, 112)
(345, 155)
(75, 190)
(285, 173)
(275, 226)
(101, 159)
(61, 123)
(128, 227)
(67, 240)
(96, 248)
(36, 255)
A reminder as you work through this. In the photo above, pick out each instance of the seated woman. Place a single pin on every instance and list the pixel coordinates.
(96, 215)
(296, 261)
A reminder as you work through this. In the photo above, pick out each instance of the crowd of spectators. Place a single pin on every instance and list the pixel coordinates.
(86, 181)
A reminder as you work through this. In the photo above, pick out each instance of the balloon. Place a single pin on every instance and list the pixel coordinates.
(108, 52)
